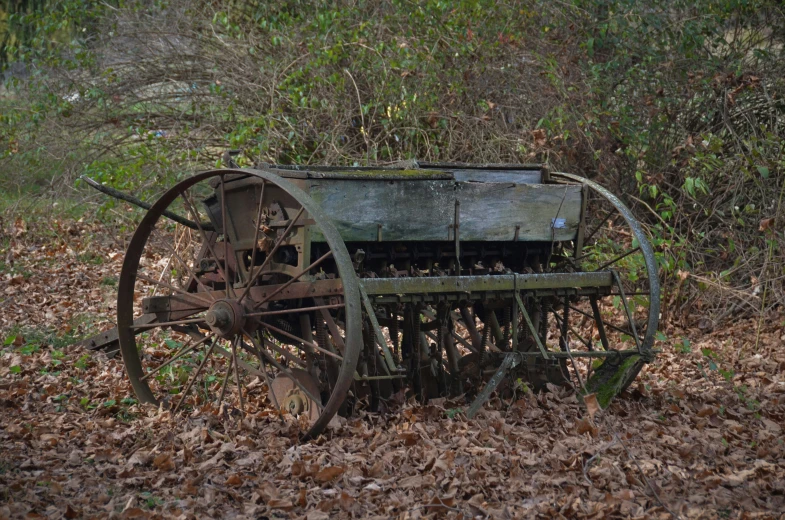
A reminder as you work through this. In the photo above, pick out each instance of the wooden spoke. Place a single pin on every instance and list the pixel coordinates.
(188, 268)
(255, 239)
(611, 325)
(183, 351)
(300, 340)
(192, 379)
(630, 319)
(288, 374)
(625, 255)
(301, 309)
(285, 353)
(570, 327)
(225, 381)
(183, 292)
(237, 374)
(245, 366)
(270, 254)
(595, 308)
(264, 370)
(226, 238)
(333, 328)
(297, 277)
(207, 242)
(601, 224)
(146, 326)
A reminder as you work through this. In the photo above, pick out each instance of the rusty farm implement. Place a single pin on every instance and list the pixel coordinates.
(321, 290)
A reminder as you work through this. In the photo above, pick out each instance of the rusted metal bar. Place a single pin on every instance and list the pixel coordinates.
(533, 331)
(299, 309)
(117, 194)
(388, 358)
(510, 361)
(469, 284)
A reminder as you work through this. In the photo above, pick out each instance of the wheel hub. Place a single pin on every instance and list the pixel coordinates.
(226, 318)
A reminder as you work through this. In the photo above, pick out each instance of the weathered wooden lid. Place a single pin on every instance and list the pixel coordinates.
(372, 174)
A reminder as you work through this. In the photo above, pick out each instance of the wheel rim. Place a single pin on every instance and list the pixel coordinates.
(628, 317)
(236, 321)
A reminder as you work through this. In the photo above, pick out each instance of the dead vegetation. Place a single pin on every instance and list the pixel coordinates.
(700, 436)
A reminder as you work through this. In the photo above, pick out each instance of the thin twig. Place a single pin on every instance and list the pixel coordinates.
(588, 463)
(645, 479)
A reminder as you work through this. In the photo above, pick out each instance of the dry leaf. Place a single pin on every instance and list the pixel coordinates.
(592, 405)
(164, 462)
(277, 503)
(134, 512)
(441, 505)
(539, 137)
(298, 468)
(234, 481)
(586, 426)
(329, 473)
(410, 438)
(766, 223)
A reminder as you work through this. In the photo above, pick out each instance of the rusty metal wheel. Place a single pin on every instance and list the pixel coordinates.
(624, 319)
(225, 305)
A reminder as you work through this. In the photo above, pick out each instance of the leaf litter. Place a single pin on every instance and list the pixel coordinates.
(700, 434)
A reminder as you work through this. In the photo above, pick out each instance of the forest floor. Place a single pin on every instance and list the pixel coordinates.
(699, 435)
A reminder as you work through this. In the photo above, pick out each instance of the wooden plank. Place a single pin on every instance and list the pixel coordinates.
(515, 176)
(491, 211)
(371, 174)
(406, 210)
(424, 210)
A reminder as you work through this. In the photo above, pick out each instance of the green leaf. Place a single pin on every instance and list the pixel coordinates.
(764, 172)
(110, 402)
(727, 374)
(660, 336)
(29, 349)
(9, 340)
(16, 369)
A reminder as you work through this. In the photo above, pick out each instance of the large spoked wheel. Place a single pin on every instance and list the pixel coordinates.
(623, 319)
(225, 305)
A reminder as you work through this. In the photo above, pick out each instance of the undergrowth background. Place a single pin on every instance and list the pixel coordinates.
(675, 105)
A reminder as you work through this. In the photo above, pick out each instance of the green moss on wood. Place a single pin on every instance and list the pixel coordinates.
(386, 174)
(610, 379)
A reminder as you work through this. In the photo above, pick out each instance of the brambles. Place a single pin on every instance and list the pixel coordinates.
(676, 104)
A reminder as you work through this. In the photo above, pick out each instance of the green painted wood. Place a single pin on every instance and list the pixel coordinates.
(424, 210)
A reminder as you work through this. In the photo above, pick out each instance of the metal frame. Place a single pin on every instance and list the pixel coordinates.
(362, 295)
(349, 283)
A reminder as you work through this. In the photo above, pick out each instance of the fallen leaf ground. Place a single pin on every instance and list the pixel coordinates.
(701, 435)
